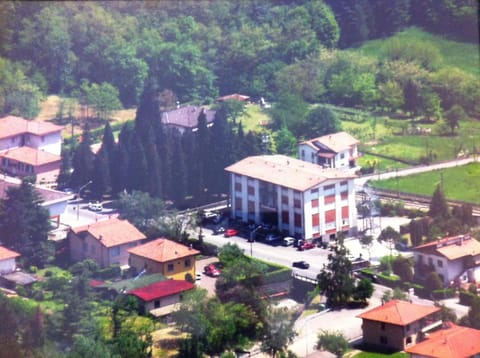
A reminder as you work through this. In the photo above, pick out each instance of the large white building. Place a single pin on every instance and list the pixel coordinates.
(336, 150)
(297, 197)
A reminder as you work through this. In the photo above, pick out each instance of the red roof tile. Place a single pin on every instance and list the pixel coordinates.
(161, 289)
(112, 232)
(6, 254)
(285, 171)
(452, 248)
(233, 96)
(30, 156)
(11, 126)
(398, 312)
(451, 342)
(163, 250)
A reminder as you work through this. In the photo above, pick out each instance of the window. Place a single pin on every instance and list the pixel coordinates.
(170, 267)
(156, 304)
(383, 340)
(329, 199)
(315, 219)
(251, 190)
(314, 191)
(382, 326)
(315, 203)
(342, 155)
(251, 206)
(115, 251)
(330, 216)
(408, 340)
(238, 204)
(188, 262)
(85, 246)
(345, 212)
(297, 203)
(238, 186)
(284, 199)
(298, 220)
(344, 195)
(440, 263)
(285, 217)
(303, 154)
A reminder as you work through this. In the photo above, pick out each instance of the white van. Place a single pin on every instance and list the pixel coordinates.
(288, 241)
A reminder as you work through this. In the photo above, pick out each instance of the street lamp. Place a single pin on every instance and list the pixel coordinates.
(78, 197)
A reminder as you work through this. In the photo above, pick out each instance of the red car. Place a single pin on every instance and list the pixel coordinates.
(230, 232)
(306, 246)
(211, 270)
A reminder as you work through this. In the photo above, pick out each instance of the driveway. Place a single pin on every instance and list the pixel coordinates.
(206, 282)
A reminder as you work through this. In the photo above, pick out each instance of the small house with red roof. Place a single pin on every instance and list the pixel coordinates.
(107, 241)
(171, 259)
(30, 148)
(451, 341)
(234, 97)
(7, 260)
(455, 259)
(397, 324)
(336, 150)
(160, 298)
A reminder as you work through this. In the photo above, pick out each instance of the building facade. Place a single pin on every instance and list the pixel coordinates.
(7, 260)
(337, 150)
(296, 197)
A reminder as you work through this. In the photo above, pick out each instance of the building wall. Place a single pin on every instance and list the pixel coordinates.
(7, 266)
(341, 159)
(51, 142)
(176, 269)
(162, 302)
(448, 270)
(308, 213)
(45, 173)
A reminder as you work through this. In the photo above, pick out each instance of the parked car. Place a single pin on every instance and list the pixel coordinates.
(211, 270)
(95, 206)
(288, 241)
(301, 264)
(217, 230)
(230, 232)
(306, 246)
(272, 238)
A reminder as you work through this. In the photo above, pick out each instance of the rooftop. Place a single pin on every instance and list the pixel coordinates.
(47, 196)
(133, 283)
(161, 289)
(187, 116)
(11, 126)
(111, 232)
(163, 250)
(451, 342)
(335, 142)
(287, 172)
(30, 156)
(234, 97)
(452, 248)
(399, 312)
(6, 254)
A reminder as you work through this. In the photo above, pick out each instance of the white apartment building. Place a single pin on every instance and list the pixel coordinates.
(336, 150)
(297, 197)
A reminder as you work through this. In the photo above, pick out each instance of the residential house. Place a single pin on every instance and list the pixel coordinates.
(233, 97)
(297, 197)
(397, 324)
(456, 259)
(53, 200)
(451, 341)
(111, 289)
(336, 150)
(7, 260)
(186, 118)
(161, 298)
(30, 148)
(164, 256)
(107, 242)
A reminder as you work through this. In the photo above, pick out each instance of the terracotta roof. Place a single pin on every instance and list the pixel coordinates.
(335, 141)
(287, 172)
(11, 126)
(234, 96)
(187, 116)
(6, 254)
(30, 156)
(398, 312)
(452, 248)
(163, 250)
(112, 232)
(161, 289)
(451, 342)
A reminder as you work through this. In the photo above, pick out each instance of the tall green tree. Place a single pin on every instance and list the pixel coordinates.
(279, 331)
(82, 161)
(25, 223)
(335, 280)
(320, 121)
(101, 178)
(438, 206)
(454, 116)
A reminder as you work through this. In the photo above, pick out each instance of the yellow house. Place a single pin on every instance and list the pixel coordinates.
(164, 256)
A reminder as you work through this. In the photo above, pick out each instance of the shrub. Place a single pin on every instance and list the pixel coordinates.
(333, 342)
(110, 272)
(443, 293)
(467, 298)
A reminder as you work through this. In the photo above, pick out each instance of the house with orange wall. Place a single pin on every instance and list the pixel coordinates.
(171, 259)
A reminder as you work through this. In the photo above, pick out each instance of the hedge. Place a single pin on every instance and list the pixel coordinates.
(467, 298)
(389, 281)
(443, 293)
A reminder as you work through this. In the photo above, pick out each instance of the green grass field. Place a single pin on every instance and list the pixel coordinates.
(379, 355)
(459, 183)
(455, 54)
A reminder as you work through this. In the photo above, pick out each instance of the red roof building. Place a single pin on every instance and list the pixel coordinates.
(160, 298)
(450, 342)
(397, 324)
(7, 260)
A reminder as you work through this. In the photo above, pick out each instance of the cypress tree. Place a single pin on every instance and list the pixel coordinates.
(82, 161)
(101, 183)
(438, 206)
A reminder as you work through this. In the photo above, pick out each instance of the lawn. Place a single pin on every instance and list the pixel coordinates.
(254, 119)
(379, 355)
(456, 54)
(465, 189)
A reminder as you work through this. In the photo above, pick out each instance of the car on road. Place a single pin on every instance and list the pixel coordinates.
(272, 238)
(306, 246)
(230, 232)
(301, 264)
(288, 241)
(211, 270)
(217, 230)
(95, 206)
